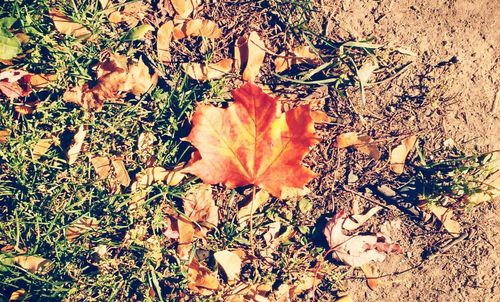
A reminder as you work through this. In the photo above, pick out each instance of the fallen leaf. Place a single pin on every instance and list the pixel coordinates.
(80, 227)
(356, 250)
(240, 53)
(34, 264)
(366, 70)
(202, 72)
(4, 136)
(25, 109)
(250, 142)
(306, 281)
(102, 166)
(293, 193)
(256, 50)
(355, 221)
(15, 83)
(320, 117)
(245, 212)
(156, 174)
(184, 8)
(398, 155)
(41, 147)
(271, 235)
(10, 44)
(76, 146)
(130, 13)
(230, 263)
(42, 80)
(139, 79)
(17, 295)
(201, 279)
(197, 28)
(164, 37)
(371, 273)
(445, 216)
(298, 55)
(362, 143)
(199, 205)
(138, 32)
(67, 26)
(121, 173)
(186, 236)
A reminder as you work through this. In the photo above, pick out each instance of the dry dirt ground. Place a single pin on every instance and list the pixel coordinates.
(456, 43)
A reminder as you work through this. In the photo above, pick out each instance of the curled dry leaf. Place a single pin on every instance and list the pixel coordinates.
(362, 143)
(445, 216)
(197, 28)
(356, 250)
(230, 263)
(164, 37)
(67, 26)
(14, 83)
(130, 13)
(76, 146)
(355, 221)
(251, 143)
(184, 8)
(40, 148)
(199, 205)
(371, 273)
(298, 55)
(398, 155)
(116, 76)
(251, 54)
(248, 209)
(201, 279)
(17, 295)
(202, 72)
(145, 145)
(34, 264)
(80, 227)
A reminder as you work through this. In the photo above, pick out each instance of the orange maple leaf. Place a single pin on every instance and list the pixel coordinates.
(252, 143)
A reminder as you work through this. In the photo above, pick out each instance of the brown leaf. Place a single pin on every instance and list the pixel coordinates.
(445, 215)
(240, 53)
(139, 80)
(67, 26)
(199, 205)
(201, 279)
(121, 173)
(372, 273)
(230, 263)
(355, 221)
(202, 72)
(248, 209)
(41, 147)
(398, 155)
(250, 142)
(362, 143)
(197, 28)
(130, 13)
(320, 117)
(298, 55)
(42, 80)
(17, 295)
(76, 146)
(34, 264)
(102, 166)
(4, 136)
(164, 37)
(186, 236)
(15, 83)
(184, 8)
(80, 227)
(256, 50)
(345, 298)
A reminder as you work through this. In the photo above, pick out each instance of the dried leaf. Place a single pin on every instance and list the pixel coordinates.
(306, 282)
(121, 173)
(320, 117)
(15, 83)
(156, 174)
(256, 50)
(398, 155)
(41, 147)
(372, 273)
(366, 70)
(199, 205)
(34, 264)
(298, 55)
(230, 263)
(356, 250)
(240, 53)
(42, 80)
(197, 28)
(202, 72)
(248, 209)
(80, 227)
(445, 215)
(355, 221)
(139, 80)
(250, 142)
(345, 298)
(131, 13)
(25, 109)
(4, 136)
(164, 37)
(17, 295)
(362, 143)
(102, 166)
(76, 146)
(186, 237)
(67, 26)
(201, 279)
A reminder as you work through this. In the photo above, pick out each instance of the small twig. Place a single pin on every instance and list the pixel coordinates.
(366, 198)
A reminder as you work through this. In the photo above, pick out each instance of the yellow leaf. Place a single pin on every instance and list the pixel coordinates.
(202, 72)
(445, 215)
(184, 8)
(398, 155)
(76, 146)
(4, 136)
(41, 147)
(246, 211)
(80, 227)
(121, 173)
(102, 166)
(256, 50)
(67, 26)
(34, 264)
(230, 263)
(17, 295)
(164, 37)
